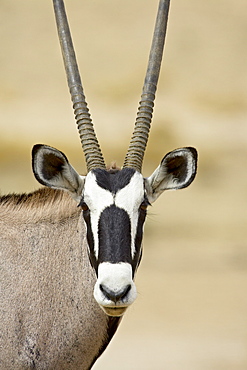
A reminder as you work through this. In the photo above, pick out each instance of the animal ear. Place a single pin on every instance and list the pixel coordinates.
(177, 170)
(52, 168)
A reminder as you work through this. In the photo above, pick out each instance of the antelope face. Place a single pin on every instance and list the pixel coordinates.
(114, 209)
(114, 206)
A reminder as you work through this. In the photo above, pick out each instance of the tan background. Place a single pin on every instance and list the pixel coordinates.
(191, 312)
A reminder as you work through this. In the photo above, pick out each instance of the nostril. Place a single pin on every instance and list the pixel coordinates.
(125, 291)
(113, 295)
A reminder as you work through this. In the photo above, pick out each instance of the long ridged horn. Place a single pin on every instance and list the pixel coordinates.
(90, 145)
(138, 143)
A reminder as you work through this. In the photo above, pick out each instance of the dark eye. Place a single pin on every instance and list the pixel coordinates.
(83, 205)
(144, 205)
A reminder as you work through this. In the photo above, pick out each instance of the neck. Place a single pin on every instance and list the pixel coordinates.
(43, 205)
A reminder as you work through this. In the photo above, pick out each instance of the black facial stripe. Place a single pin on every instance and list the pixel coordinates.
(113, 181)
(90, 240)
(138, 239)
(114, 236)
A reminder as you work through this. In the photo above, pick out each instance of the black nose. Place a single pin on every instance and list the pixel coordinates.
(115, 296)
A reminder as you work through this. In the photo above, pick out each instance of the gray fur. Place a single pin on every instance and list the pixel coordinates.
(45, 280)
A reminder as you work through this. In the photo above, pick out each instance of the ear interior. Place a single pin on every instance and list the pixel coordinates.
(179, 168)
(52, 168)
(176, 171)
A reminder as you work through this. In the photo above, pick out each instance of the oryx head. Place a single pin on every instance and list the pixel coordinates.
(114, 202)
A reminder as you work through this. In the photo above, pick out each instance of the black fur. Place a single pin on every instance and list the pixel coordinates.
(90, 240)
(115, 180)
(138, 240)
(114, 236)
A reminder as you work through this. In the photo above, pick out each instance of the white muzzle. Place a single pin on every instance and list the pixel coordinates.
(115, 290)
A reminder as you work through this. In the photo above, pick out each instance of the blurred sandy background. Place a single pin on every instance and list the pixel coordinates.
(191, 312)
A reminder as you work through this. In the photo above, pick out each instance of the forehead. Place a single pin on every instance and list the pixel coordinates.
(112, 186)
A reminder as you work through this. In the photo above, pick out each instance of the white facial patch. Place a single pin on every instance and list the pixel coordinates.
(130, 198)
(97, 199)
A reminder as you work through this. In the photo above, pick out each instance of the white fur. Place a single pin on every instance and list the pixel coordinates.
(97, 199)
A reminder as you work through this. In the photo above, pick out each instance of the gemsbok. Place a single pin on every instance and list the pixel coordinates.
(70, 251)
